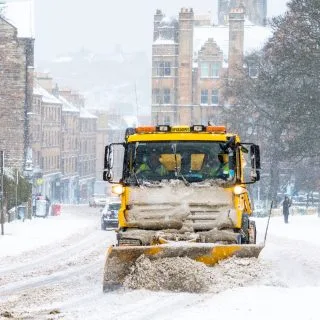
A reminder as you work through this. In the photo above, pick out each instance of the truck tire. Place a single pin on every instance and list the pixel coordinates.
(245, 229)
(252, 232)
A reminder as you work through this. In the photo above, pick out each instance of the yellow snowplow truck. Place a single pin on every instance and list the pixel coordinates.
(183, 194)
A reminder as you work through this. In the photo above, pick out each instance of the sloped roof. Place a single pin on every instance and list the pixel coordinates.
(7, 22)
(86, 114)
(46, 97)
(67, 106)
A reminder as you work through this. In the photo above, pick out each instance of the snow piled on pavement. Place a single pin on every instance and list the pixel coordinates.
(31, 234)
(186, 275)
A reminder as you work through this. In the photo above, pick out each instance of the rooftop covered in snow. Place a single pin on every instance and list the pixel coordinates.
(46, 97)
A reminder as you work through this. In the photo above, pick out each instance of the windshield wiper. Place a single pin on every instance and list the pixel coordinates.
(178, 170)
(136, 178)
(184, 179)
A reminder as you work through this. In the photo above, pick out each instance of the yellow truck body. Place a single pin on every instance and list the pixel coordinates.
(190, 201)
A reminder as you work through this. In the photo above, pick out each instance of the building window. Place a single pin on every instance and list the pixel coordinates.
(156, 98)
(167, 68)
(215, 97)
(204, 96)
(163, 69)
(166, 120)
(166, 96)
(215, 69)
(204, 70)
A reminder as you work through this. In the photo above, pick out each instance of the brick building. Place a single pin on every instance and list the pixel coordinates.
(191, 58)
(70, 150)
(46, 116)
(16, 65)
(85, 145)
(64, 142)
(87, 156)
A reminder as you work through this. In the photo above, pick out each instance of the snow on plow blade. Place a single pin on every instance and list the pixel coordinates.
(119, 260)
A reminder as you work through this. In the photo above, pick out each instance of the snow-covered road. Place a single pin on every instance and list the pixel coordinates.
(52, 269)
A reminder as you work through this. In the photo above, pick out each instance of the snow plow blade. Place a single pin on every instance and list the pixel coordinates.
(119, 260)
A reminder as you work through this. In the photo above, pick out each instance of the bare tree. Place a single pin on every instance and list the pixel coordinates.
(281, 105)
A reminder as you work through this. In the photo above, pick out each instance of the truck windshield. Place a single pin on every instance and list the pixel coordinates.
(191, 161)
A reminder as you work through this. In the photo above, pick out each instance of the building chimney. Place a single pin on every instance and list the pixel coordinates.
(55, 91)
(185, 60)
(45, 81)
(156, 22)
(236, 36)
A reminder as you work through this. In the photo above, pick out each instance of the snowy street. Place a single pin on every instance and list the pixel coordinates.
(52, 269)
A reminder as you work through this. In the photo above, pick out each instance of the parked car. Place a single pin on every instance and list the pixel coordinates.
(109, 217)
(98, 200)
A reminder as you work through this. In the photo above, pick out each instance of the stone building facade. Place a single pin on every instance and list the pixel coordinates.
(192, 58)
(70, 150)
(86, 146)
(87, 155)
(16, 69)
(49, 155)
(64, 139)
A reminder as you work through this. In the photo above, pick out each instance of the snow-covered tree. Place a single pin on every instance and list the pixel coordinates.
(280, 107)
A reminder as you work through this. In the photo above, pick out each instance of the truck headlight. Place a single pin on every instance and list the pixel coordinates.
(117, 189)
(239, 190)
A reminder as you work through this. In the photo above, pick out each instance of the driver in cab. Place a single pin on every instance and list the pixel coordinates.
(217, 167)
(151, 166)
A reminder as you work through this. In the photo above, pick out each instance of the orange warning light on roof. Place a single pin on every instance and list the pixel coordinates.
(148, 129)
(216, 129)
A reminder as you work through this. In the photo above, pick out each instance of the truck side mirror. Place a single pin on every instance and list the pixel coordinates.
(255, 175)
(255, 162)
(255, 156)
(109, 161)
(107, 175)
(108, 157)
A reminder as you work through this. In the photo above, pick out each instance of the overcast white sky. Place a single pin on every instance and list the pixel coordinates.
(62, 26)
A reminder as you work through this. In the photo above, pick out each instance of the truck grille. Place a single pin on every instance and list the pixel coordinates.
(199, 217)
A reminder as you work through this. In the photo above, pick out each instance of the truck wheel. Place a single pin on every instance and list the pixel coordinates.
(245, 229)
(103, 226)
(252, 232)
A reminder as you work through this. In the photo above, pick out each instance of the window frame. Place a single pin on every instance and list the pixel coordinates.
(166, 96)
(215, 95)
(204, 94)
(216, 74)
(204, 66)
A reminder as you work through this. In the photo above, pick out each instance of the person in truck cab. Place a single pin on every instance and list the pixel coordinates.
(217, 168)
(151, 166)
